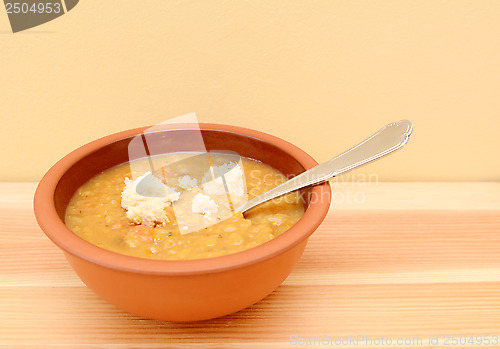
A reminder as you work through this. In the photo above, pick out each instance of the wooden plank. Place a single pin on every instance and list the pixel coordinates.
(399, 271)
(360, 193)
(43, 315)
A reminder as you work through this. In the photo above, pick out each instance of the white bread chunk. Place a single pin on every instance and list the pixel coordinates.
(234, 178)
(186, 182)
(204, 204)
(146, 198)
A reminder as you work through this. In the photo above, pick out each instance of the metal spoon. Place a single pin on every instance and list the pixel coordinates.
(390, 138)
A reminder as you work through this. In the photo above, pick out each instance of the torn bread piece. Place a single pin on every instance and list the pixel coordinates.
(233, 175)
(205, 205)
(146, 198)
(186, 182)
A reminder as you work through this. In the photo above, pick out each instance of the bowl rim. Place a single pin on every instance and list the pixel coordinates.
(69, 242)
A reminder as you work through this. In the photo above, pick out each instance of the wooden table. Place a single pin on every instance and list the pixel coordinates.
(392, 261)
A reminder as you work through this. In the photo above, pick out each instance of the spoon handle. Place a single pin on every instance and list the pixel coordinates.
(390, 138)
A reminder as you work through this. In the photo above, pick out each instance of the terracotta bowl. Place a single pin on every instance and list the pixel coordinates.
(179, 290)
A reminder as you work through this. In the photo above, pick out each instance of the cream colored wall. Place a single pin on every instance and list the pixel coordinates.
(321, 74)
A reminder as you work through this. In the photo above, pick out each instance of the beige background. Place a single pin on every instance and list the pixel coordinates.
(321, 74)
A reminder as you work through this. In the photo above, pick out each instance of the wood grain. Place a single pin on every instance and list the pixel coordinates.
(401, 271)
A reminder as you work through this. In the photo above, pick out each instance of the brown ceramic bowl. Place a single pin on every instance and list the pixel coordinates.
(179, 290)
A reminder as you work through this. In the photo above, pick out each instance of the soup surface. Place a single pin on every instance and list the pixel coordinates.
(95, 212)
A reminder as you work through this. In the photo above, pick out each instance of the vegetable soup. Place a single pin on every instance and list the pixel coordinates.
(185, 209)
